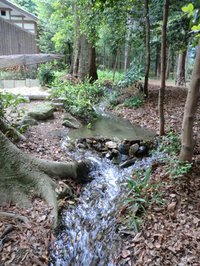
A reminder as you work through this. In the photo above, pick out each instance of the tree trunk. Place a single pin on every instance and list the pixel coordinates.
(148, 52)
(23, 176)
(191, 104)
(77, 45)
(163, 69)
(127, 47)
(92, 65)
(157, 64)
(115, 64)
(180, 75)
(168, 67)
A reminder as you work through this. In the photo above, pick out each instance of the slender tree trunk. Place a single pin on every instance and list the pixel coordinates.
(180, 75)
(157, 64)
(148, 52)
(115, 64)
(163, 68)
(187, 145)
(77, 44)
(168, 67)
(127, 48)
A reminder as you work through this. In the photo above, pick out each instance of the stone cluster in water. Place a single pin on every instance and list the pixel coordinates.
(122, 153)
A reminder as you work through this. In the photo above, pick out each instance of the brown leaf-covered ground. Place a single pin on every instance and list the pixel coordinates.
(169, 235)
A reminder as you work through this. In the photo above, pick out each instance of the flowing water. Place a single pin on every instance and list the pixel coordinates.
(89, 235)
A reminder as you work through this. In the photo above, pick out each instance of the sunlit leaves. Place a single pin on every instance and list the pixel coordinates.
(188, 9)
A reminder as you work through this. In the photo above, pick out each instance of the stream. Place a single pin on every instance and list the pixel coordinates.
(88, 236)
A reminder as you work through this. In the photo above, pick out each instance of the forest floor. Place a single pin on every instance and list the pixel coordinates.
(169, 234)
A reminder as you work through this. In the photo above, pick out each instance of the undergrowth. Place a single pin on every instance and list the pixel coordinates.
(79, 99)
(171, 146)
(142, 193)
(134, 102)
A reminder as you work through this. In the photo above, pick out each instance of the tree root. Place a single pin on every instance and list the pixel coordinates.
(22, 177)
(8, 230)
(11, 131)
(15, 216)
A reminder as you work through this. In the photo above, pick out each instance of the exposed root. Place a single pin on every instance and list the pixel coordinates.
(11, 131)
(15, 216)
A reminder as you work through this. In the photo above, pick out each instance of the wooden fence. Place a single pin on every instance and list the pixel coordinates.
(14, 40)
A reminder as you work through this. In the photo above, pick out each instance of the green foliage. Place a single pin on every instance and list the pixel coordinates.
(8, 100)
(46, 74)
(131, 77)
(194, 15)
(177, 168)
(80, 98)
(29, 5)
(135, 101)
(107, 75)
(170, 144)
(142, 193)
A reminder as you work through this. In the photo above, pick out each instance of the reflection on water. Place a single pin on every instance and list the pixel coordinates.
(111, 126)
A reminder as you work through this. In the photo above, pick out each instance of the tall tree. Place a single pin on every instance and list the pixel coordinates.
(148, 52)
(187, 145)
(163, 68)
(180, 74)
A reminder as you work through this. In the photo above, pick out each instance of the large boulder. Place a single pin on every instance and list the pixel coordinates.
(43, 112)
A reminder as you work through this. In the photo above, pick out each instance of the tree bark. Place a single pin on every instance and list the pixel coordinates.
(92, 66)
(168, 67)
(163, 69)
(127, 46)
(23, 176)
(157, 64)
(180, 75)
(77, 45)
(187, 145)
(148, 52)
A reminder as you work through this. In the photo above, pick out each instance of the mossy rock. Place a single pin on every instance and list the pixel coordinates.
(71, 122)
(43, 112)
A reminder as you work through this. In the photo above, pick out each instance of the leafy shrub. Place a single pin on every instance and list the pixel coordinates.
(131, 77)
(46, 74)
(80, 98)
(171, 145)
(107, 75)
(135, 101)
(9, 100)
(177, 168)
(142, 193)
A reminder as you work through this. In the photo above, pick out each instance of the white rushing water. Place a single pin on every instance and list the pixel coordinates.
(88, 236)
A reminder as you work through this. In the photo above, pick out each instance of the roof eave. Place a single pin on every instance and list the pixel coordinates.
(20, 9)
